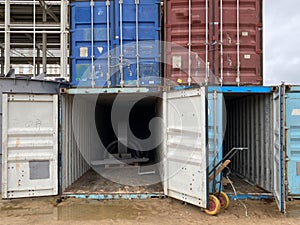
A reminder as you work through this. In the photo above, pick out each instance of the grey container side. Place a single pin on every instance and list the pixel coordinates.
(250, 124)
(73, 163)
(19, 85)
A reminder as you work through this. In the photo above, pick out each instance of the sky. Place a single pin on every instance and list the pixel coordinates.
(281, 27)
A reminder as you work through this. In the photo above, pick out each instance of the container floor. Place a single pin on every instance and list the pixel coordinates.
(93, 183)
(241, 186)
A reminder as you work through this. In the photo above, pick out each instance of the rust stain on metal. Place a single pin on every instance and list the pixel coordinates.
(17, 142)
(298, 168)
(17, 163)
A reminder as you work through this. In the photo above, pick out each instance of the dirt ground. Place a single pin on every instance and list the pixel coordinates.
(151, 211)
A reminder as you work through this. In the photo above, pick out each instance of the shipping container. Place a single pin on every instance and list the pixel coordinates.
(115, 43)
(253, 120)
(236, 117)
(75, 166)
(19, 85)
(87, 149)
(215, 42)
(105, 138)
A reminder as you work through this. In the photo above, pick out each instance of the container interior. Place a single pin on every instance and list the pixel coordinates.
(111, 167)
(249, 124)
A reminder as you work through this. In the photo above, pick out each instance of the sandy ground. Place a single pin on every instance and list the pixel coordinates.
(151, 211)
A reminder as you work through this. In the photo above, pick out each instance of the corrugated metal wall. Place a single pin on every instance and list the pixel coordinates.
(225, 36)
(250, 124)
(118, 30)
(19, 85)
(73, 163)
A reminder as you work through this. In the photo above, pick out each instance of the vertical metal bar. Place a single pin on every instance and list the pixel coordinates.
(253, 132)
(239, 130)
(244, 135)
(7, 37)
(249, 137)
(189, 42)
(137, 43)
(34, 41)
(65, 141)
(63, 38)
(269, 139)
(257, 131)
(44, 42)
(206, 42)
(55, 143)
(165, 145)
(2, 60)
(283, 151)
(92, 43)
(4, 145)
(262, 151)
(108, 43)
(238, 41)
(215, 136)
(38, 68)
(121, 43)
(71, 139)
(221, 42)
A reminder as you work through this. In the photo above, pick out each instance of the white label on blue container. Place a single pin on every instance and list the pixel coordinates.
(84, 52)
(151, 81)
(296, 112)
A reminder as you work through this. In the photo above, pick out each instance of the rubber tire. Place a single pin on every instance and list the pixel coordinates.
(214, 206)
(223, 198)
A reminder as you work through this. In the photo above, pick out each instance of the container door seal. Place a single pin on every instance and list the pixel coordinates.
(30, 145)
(279, 175)
(215, 133)
(185, 157)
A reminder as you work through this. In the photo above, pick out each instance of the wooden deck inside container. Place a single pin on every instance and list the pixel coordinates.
(241, 186)
(93, 183)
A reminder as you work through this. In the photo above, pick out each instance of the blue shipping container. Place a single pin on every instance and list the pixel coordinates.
(104, 39)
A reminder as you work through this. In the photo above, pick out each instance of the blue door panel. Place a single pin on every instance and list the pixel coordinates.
(293, 141)
(149, 52)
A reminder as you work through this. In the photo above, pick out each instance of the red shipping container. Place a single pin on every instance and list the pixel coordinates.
(214, 34)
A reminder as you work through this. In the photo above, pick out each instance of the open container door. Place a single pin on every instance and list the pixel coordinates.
(279, 154)
(215, 120)
(185, 157)
(29, 145)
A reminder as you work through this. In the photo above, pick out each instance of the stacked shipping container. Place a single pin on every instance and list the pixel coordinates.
(223, 40)
(105, 36)
(206, 41)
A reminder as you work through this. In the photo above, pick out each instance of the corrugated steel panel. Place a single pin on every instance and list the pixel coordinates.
(279, 155)
(216, 126)
(73, 164)
(234, 35)
(30, 145)
(18, 85)
(116, 37)
(250, 124)
(292, 124)
(185, 160)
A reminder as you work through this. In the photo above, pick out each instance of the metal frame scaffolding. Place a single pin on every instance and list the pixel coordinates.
(34, 35)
